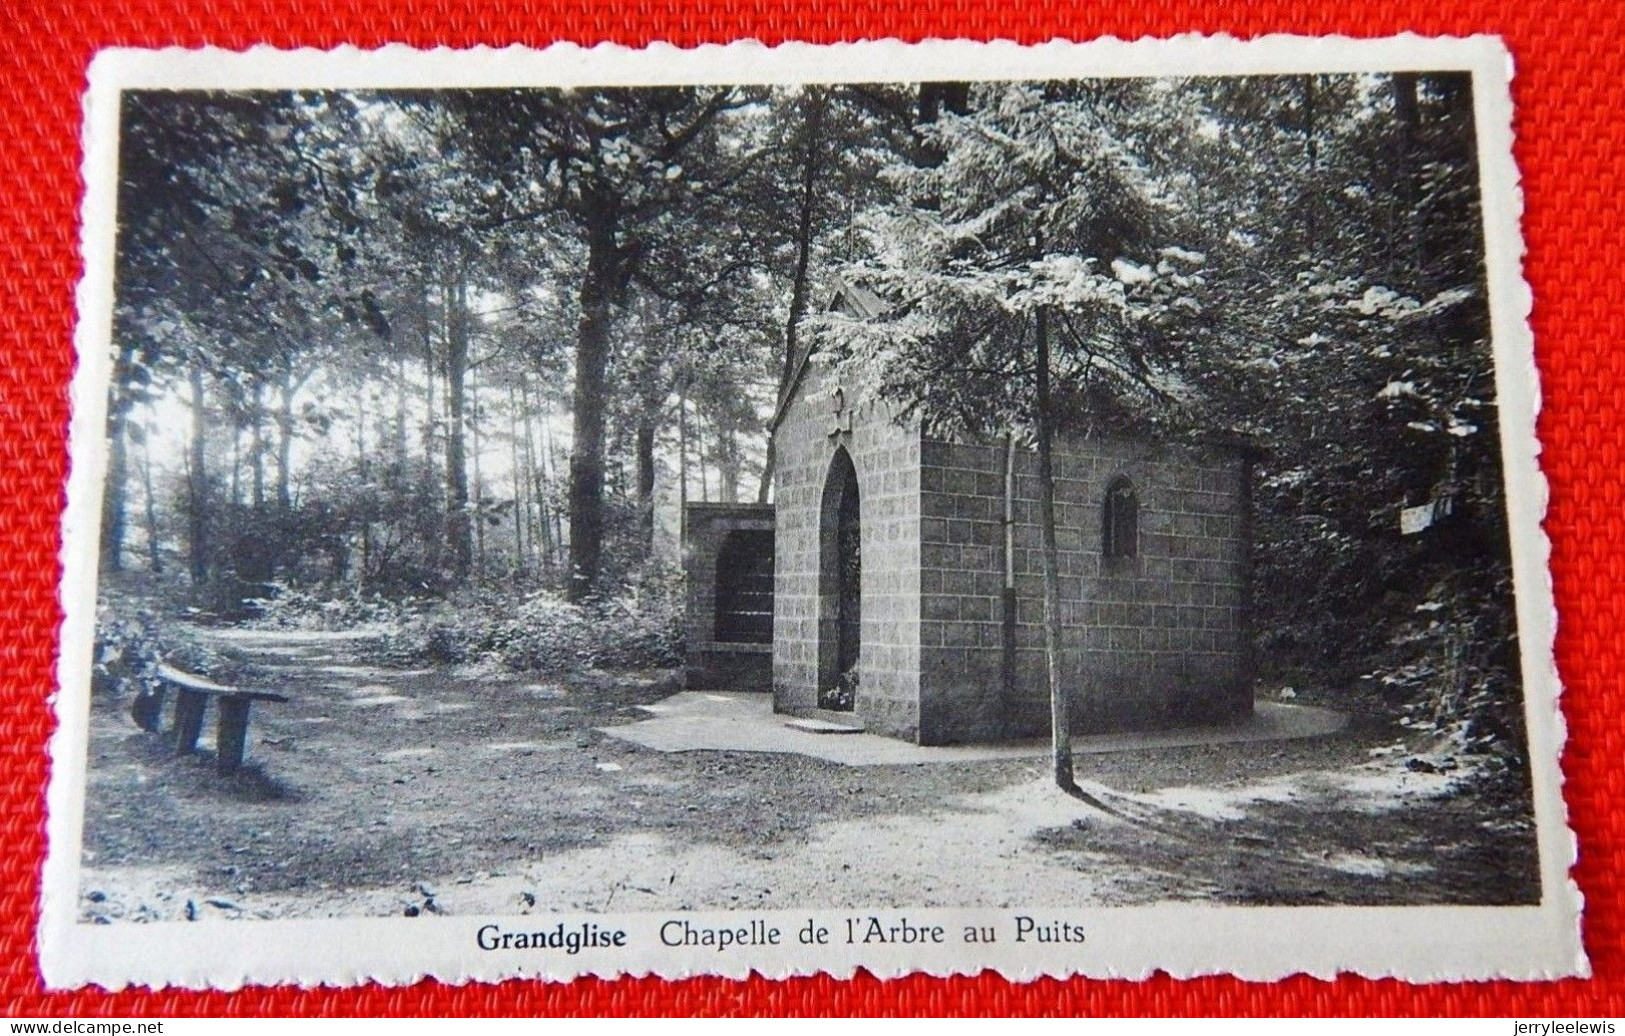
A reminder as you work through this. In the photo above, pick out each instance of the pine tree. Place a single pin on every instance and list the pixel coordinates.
(1027, 290)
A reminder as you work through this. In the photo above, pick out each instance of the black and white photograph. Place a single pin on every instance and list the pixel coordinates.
(852, 500)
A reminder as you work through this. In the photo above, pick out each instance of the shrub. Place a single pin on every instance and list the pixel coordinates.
(541, 632)
(288, 606)
(130, 644)
(1453, 671)
(126, 656)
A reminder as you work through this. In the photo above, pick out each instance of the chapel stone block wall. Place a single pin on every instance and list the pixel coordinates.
(886, 458)
(1156, 639)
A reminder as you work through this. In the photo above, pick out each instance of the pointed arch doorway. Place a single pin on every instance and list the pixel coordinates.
(840, 586)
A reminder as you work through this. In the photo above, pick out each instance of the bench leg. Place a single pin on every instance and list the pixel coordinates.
(189, 706)
(231, 734)
(147, 710)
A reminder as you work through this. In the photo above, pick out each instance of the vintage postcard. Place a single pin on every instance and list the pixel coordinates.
(1062, 510)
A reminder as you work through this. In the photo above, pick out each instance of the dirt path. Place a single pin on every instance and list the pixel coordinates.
(383, 791)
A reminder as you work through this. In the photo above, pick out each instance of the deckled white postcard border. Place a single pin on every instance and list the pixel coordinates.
(1413, 943)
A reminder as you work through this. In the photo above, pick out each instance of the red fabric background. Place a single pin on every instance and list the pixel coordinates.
(1570, 93)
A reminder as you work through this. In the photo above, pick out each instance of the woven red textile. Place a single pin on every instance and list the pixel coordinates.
(1570, 94)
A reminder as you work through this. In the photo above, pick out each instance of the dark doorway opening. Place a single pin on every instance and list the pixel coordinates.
(744, 587)
(840, 592)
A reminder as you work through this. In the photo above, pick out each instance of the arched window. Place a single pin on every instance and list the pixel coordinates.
(1120, 520)
(744, 602)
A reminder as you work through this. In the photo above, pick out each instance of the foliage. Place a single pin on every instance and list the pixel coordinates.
(330, 293)
(541, 632)
(1453, 671)
(292, 606)
(132, 638)
(127, 654)
(1036, 205)
(1348, 288)
(844, 694)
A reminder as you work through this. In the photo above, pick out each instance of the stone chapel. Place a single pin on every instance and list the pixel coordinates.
(895, 581)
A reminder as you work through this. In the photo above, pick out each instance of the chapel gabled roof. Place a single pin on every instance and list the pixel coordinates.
(855, 301)
(848, 299)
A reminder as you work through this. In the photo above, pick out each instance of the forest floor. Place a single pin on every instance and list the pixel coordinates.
(381, 791)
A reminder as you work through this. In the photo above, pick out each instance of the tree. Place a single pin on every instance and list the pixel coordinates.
(1353, 312)
(238, 220)
(825, 149)
(1027, 291)
(606, 164)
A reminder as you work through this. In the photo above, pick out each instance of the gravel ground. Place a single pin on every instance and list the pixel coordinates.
(380, 791)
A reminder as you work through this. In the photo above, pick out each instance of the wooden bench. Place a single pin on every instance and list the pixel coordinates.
(192, 694)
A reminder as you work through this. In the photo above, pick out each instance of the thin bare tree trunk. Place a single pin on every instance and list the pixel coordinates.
(431, 363)
(770, 461)
(646, 480)
(521, 505)
(591, 396)
(154, 551)
(698, 434)
(728, 461)
(554, 514)
(682, 466)
(540, 479)
(197, 482)
(1412, 259)
(284, 446)
(459, 527)
(361, 470)
(479, 485)
(117, 491)
(236, 464)
(400, 407)
(814, 103)
(1060, 711)
(1311, 143)
(257, 446)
